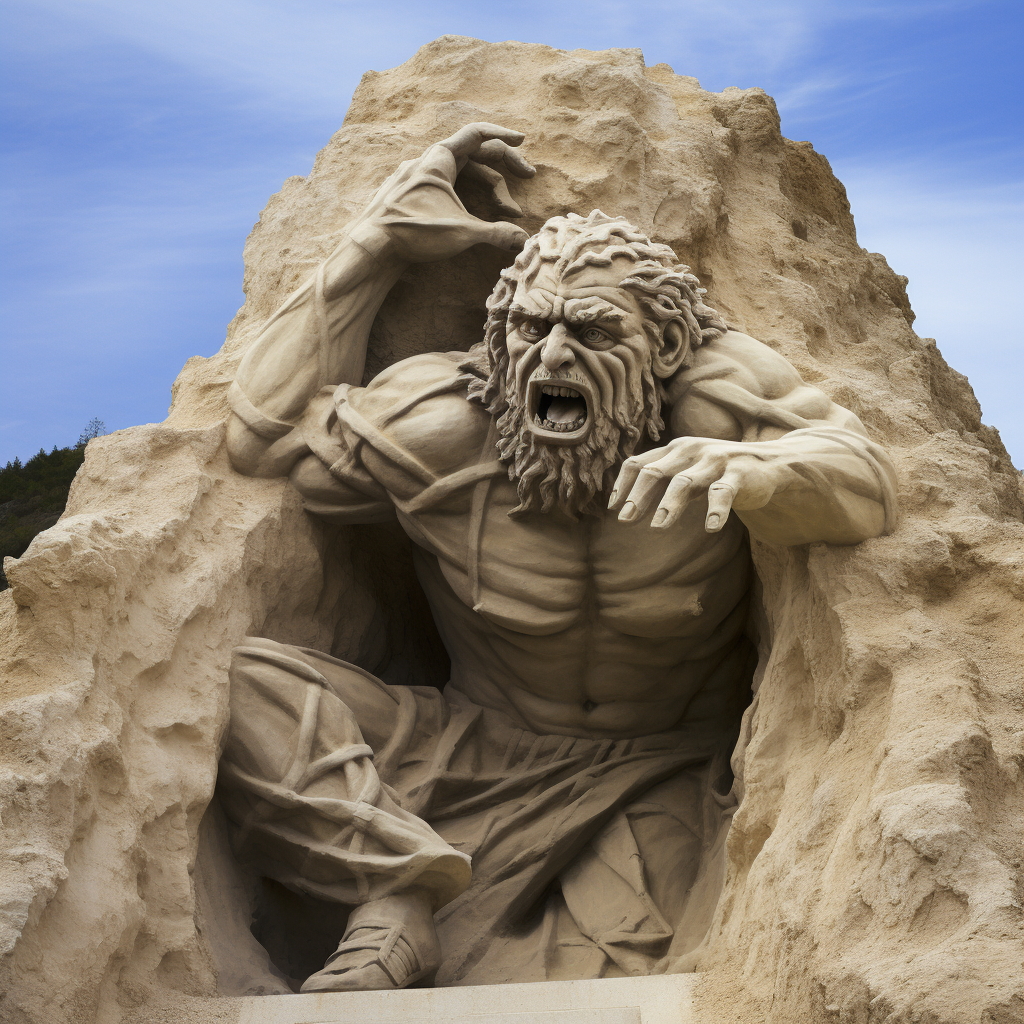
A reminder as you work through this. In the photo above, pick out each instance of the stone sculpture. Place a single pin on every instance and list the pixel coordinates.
(871, 866)
(580, 491)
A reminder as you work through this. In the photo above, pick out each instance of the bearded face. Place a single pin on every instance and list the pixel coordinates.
(579, 386)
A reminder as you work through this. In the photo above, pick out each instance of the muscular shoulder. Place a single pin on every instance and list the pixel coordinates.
(420, 404)
(747, 362)
(738, 388)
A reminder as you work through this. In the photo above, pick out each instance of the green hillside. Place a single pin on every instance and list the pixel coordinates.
(33, 495)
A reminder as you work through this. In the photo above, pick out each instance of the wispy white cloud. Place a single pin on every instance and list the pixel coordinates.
(147, 254)
(316, 49)
(829, 95)
(956, 236)
(281, 53)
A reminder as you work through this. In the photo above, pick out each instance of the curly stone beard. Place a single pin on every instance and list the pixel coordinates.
(571, 477)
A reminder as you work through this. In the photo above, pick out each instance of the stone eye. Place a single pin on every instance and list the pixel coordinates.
(592, 335)
(533, 328)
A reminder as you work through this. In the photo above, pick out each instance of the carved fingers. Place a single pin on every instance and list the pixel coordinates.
(433, 238)
(506, 205)
(486, 152)
(499, 233)
(500, 155)
(421, 216)
(489, 144)
(639, 482)
(664, 481)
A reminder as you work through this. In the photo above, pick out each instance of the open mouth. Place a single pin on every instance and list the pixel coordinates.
(559, 410)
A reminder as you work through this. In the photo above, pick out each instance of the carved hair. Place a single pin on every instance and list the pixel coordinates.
(666, 290)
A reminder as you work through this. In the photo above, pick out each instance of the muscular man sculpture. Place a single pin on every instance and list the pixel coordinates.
(579, 490)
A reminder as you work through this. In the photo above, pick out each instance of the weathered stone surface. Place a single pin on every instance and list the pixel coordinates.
(874, 863)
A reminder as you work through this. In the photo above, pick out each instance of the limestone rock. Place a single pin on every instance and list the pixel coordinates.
(874, 864)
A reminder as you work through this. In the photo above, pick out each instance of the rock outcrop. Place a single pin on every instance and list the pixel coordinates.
(874, 863)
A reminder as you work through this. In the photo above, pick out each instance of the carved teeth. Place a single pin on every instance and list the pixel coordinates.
(561, 428)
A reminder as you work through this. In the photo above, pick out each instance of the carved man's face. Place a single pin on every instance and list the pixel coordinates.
(577, 352)
(579, 371)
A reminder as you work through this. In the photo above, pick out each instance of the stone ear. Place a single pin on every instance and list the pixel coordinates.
(675, 347)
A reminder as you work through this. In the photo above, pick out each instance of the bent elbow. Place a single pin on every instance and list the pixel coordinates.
(245, 448)
(862, 523)
(855, 520)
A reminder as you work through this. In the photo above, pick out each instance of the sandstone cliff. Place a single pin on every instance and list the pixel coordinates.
(874, 862)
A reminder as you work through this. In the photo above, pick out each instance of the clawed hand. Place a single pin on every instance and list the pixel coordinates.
(417, 207)
(734, 475)
(479, 149)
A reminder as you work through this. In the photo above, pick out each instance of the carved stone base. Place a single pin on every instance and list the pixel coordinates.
(660, 1000)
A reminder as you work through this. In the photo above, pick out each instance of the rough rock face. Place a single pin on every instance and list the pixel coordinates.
(874, 862)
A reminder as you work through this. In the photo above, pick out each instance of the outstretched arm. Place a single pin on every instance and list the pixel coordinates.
(794, 466)
(318, 337)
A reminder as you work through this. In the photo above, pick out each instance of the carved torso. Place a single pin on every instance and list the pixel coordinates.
(588, 627)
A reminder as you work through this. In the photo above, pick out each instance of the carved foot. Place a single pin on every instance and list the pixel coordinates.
(390, 943)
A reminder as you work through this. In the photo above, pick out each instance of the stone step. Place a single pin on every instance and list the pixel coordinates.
(666, 999)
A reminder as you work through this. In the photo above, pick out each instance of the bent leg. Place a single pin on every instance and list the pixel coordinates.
(298, 783)
(650, 866)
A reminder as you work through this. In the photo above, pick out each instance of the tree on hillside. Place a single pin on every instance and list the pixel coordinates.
(33, 495)
(94, 428)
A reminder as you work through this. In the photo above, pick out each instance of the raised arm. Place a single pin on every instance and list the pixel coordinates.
(318, 337)
(760, 442)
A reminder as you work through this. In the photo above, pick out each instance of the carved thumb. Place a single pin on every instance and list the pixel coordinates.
(502, 234)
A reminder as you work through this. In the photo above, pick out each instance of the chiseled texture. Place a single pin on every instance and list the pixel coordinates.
(874, 862)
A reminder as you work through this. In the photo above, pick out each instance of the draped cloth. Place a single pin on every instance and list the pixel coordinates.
(546, 856)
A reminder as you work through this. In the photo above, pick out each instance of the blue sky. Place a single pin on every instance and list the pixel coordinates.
(140, 142)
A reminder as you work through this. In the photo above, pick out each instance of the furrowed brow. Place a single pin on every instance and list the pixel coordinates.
(603, 312)
(540, 310)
